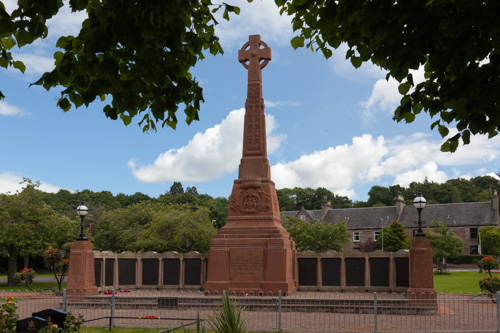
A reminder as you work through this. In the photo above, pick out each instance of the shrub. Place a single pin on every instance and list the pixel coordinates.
(230, 319)
(8, 316)
(368, 245)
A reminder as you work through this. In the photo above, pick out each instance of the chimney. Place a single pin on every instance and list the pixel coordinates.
(400, 204)
(325, 208)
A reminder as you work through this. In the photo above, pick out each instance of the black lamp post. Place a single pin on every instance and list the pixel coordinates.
(419, 202)
(82, 211)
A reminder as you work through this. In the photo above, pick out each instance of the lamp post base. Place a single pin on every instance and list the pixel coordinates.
(81, 273)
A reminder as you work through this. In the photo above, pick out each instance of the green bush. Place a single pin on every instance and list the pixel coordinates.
(465, 259)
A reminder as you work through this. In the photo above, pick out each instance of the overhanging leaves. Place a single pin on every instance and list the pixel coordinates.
(457, 42)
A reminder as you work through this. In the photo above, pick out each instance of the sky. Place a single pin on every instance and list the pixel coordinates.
(328, 125)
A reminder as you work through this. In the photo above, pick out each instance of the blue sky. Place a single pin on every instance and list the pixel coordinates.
(329, 125)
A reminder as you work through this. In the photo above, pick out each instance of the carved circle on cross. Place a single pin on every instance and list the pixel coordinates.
(254, 54)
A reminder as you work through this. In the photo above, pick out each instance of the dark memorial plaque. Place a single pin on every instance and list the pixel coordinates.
(355, 272)
(97, 271)
(307, 271)
(192, 272)
(29, 325)
(379, 272)
(171, 270)
(330, 271)
(53, 316)
(109, 272)
(126, 271)
(150, 269)
(402, 272)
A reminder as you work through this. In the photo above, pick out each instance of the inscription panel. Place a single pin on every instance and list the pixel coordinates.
(246, 264)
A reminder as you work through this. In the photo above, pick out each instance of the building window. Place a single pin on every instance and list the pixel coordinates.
(356, 238)
(375, 235)
(474, 249)
(303, 217)
(473, 233)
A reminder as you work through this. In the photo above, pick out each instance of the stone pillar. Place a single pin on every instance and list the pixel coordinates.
(81, 276)
(421, 289)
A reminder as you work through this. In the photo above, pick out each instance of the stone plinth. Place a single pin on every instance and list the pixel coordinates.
(253, 252)
(421, 289)
(81, 278)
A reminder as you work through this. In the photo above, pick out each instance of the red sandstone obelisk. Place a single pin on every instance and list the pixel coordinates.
(253, 252)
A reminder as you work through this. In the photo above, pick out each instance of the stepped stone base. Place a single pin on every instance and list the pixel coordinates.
(252, 260)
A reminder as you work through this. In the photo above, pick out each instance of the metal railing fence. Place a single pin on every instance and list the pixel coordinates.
(302, 311)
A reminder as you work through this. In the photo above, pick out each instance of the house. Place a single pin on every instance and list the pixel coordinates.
(464, 219)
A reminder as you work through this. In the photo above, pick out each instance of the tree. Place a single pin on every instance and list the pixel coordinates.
(380, 194)
(137, 53)
(28, 225)
(151, 226)
(176, 188)
(456, 43)
(490, 240)
(394, 237)
(444, 243)
(317, 236)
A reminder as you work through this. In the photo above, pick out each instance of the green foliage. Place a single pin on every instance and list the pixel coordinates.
(444, 243)
(296, 198)
(176, 189)
(139, 54)
(230, 319)
(452, 191)
(464, 259)
(489, 284)
(380, 195)
(8, 316)
(28, 225)
(316, 236)
(457, 43)
(490, 240)
(150, 226)
(394, 237)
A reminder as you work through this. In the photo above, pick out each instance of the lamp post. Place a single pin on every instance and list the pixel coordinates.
(419, 203)
(82, 211)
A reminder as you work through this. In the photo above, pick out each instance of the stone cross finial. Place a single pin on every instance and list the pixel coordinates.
(254, 55)
(254, 58)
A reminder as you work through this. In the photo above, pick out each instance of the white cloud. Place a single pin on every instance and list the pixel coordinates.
(281, 104)
(344, 68)
(429, 170)
(10, 182)
(10, 110)
(207, 156)
(258, 17)
(337, 168)
(399, 160)
(66, 22)
(35, 64)
(385, 96)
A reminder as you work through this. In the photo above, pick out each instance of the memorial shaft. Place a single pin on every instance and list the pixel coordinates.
(253, 252)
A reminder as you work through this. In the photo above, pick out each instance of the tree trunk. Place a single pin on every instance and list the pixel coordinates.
(12, 267)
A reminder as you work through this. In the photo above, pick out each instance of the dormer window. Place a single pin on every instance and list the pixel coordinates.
(303, 217)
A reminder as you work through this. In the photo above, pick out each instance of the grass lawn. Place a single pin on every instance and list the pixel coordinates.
(458, 282)
(37, 285)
